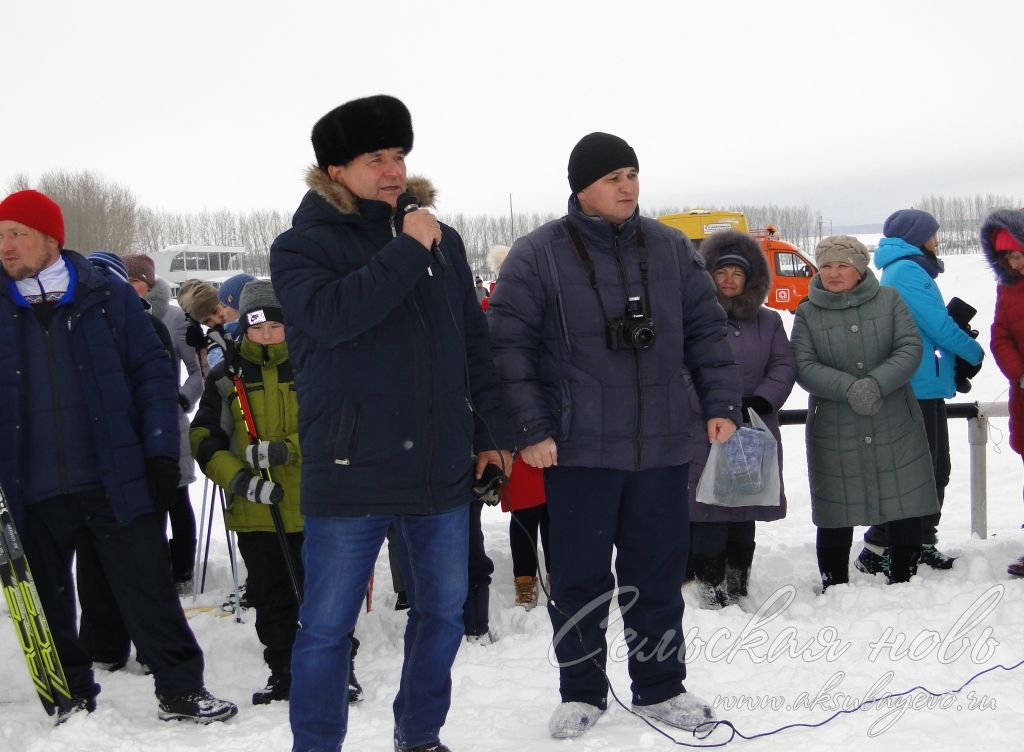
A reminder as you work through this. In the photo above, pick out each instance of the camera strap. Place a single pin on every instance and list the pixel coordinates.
(588, 263)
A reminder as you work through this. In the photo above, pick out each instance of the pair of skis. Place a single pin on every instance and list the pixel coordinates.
(29, 621)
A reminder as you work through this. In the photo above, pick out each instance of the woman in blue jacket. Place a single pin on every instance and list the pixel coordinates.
(907, 258)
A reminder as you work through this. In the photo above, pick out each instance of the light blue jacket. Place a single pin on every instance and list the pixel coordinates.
(941, 337)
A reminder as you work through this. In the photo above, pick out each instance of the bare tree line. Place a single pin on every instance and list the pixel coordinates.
(960, 217)
(104, 215)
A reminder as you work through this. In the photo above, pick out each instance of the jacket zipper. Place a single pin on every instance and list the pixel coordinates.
(638, 421)
(430, 384)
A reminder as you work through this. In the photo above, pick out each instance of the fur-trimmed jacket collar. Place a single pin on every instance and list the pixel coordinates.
(1002, 219)
(745, 305)
(346, 202)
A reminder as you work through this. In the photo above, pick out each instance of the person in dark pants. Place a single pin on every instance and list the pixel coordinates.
(90, 422)
(478, 598)
(908, 260)
(593, 320)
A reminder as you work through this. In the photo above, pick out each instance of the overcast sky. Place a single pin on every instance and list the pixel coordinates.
(855, 108)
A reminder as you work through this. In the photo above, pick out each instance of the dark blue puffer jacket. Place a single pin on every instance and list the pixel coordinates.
(118, 382)
(381, 351)
(624, 409)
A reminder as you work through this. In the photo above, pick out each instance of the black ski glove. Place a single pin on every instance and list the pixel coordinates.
(194, 336)
(758, 404)
(254, 488)
(267, 454)
(162, 476)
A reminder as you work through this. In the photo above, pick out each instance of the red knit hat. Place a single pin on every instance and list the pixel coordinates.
(36, 210)
(1003, 240)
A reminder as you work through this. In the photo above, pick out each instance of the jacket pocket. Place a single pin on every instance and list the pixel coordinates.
(348, 428)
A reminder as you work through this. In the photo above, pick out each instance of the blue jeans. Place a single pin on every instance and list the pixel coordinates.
(339, 554)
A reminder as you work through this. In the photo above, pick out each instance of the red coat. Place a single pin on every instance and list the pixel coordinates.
(1008, 350)
(524, 489)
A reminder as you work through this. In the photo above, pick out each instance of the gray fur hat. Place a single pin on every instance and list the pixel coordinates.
(845, 249)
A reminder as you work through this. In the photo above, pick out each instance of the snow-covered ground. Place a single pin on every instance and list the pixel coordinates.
(817, 655)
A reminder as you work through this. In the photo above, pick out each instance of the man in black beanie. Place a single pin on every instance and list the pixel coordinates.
(597, 317)
(383, 327)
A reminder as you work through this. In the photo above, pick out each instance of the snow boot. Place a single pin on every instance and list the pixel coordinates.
(903, 563)
(428, 747)
(278, 686)
(526, 592)
(834, 566)
(737, 573)
(709, 574)
(401, 601)
(198, 705)
(871, 562)
(935, 559)
(1016, 569)
(78, 705)
(475, 615)
(683, 711)
(355, 689)
(572, 719)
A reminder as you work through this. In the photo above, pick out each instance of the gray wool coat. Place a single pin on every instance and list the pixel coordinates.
(864, 470)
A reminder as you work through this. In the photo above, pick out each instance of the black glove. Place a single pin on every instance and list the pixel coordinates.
(486, 488)
(183, 401)
(254, 488)
(758, 404)
(267, 454)
(194, 336)
(162, 477)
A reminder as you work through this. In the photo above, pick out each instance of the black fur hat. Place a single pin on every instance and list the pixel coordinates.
(361, 126)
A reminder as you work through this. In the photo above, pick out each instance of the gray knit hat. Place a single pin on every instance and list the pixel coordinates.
(845, 249)
(259, 304)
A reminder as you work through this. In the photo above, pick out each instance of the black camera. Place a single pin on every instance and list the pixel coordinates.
(634, 331)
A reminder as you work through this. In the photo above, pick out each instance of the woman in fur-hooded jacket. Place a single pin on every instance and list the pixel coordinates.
(1002, 241)
(722, 538)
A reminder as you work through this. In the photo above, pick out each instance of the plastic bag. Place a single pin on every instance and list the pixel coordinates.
(744, 471)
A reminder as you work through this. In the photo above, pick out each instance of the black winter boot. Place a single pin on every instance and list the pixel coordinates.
(709, 573)
(737, 572)
(903, 562)
(355, 689)
(278, 686)
(834, 566)
(475, 615)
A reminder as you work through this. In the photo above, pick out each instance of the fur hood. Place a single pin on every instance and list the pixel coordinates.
(342, 199)
(159, 297)
(746, 304)
(496, 257)
(1001, 219)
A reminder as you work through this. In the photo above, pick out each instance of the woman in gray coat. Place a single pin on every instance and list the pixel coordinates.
(722, 538)
(856, 347)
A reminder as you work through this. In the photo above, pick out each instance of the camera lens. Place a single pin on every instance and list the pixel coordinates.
(643, 338)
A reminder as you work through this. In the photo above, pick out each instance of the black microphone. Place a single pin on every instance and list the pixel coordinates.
(407, 203)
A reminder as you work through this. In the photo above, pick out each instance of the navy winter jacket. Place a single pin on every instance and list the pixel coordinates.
(381, 351)
(623, 409)
(101, 355)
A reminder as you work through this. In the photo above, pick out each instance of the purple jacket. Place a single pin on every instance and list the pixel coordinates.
(615, 409)
(762, 350)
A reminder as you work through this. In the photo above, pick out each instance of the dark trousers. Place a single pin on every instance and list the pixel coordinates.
(834, 543)
(480, 567)
(711, 538)
(269, 592)
(937, 430)
(134, 560)
(183, 536)
(644, 517)
(522, 537)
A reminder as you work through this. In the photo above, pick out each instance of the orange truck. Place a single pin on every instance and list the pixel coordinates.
(791, 271)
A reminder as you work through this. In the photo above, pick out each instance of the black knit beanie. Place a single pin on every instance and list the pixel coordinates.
(595, 156)
(361, 126)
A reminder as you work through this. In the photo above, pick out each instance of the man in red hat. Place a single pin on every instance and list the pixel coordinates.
(89, 414)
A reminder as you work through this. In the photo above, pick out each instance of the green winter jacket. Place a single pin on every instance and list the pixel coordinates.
(218, 436)
(864, 470)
